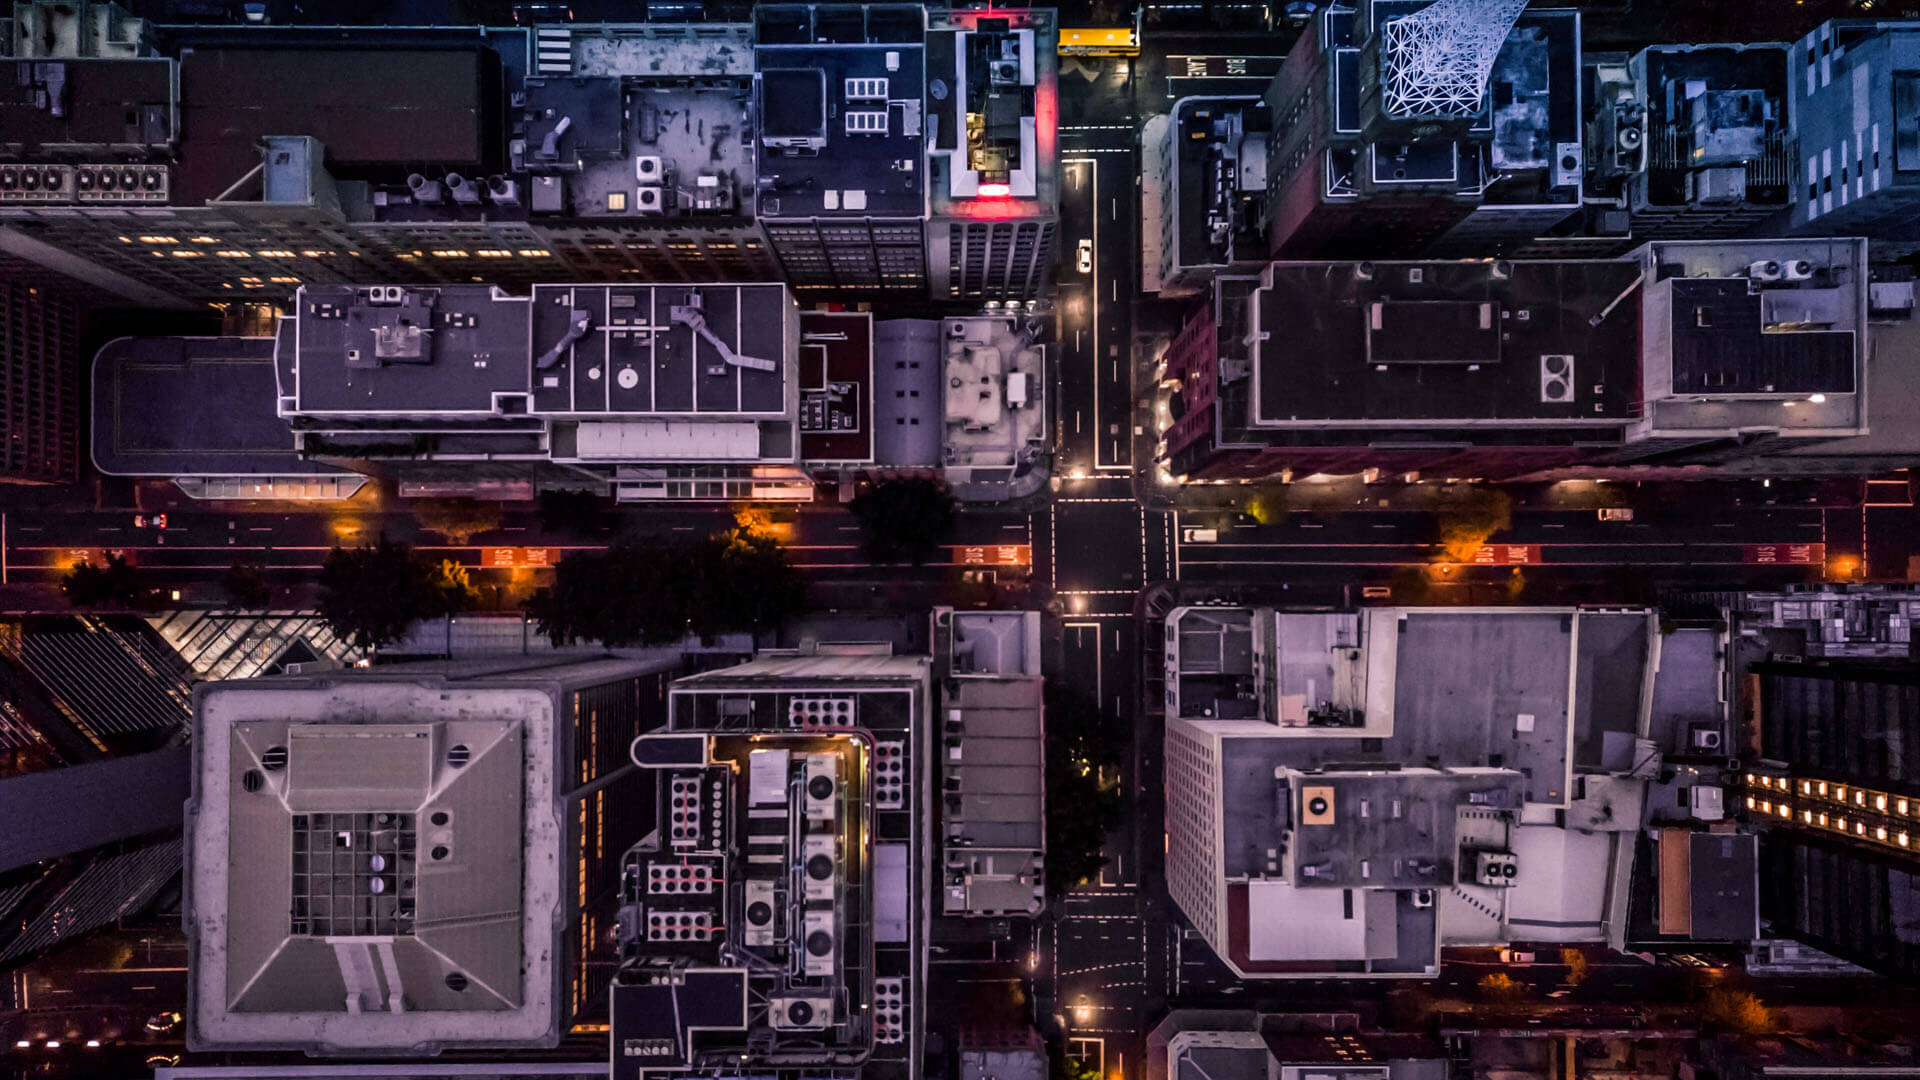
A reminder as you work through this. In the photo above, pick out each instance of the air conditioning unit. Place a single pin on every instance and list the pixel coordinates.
(799, 1013)
(819, 867)
(1316, 805)
(679, 926)
(759, 913)
(1722, 184)
(823, 787)
(1495, 869)
(1705, 738)
(648, 200)
(820, 712)
(866, 89)
(647, 169)
(1423, 898)
(36, 183)
(1556, 379)
(819, 944)
(1766, 270)
(120, 183)
(867, 122)
(1569, 161)
(1706, 803)
(1800, 270)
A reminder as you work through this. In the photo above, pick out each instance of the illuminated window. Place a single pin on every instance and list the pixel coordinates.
(233, 254)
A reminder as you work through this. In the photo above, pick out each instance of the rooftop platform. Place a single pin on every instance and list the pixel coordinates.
(191, 407)
(1382, 344)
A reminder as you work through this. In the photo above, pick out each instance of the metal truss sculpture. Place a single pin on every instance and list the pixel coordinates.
(1437, 60)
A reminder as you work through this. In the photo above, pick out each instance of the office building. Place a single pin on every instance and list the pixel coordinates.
(1347, 793)
(1351, 171)
(842, 145)
(411, 859)
(1830, 785)
(774, 919)
(93, 713)
(655, 392)
(1209, 1044)
(42, 318)
(1206, 177)
(1731, 353)
(1856, 102)
(993, 168)
(993, 786)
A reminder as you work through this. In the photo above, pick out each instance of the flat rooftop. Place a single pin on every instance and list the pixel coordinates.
(841, 91)
(438, 106)
(1420, 342)
(837, 386)
(1732, 99)
(191, 406)
(74, 103)
(567, 350)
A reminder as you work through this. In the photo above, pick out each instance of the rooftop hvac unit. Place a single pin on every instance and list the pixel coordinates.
(1316, 805)
(1705, 738)
(1556, 379)
(1495, 869)
(681, 878)
(819, 944)
(867, 89)
(823, 787)
(679, 926)
(1766, 270)
(1569, 162)
(1722, 184)
(1800, 270)
(120, 183)
(36, 183)
(758, 914)
(819, 867)
(867, 122)
(799, 1013)
(1706, 803)
(686, 814)
(648, 200)
(818, 712)
(1423, 898)
(647, 169)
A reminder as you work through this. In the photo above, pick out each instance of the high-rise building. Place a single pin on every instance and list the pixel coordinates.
(1831, 786)
(1856, 103)
(412, 859)
(93, 712)
(1726, 353)
(773, 920)
(41, 321)
(1207, 174)
(993, 170)
(1349, 173)
(1346, 793)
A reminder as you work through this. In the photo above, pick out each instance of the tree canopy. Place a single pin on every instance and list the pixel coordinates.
(653, 593)
(459, 520)
(370, 595)
(904, 519)
(111, 583)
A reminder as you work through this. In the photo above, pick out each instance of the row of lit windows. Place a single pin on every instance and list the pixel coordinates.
(1844, 794)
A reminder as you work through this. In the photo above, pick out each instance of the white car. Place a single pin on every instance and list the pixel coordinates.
(1083, 257)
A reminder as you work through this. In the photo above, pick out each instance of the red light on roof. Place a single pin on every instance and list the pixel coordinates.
(995, 191)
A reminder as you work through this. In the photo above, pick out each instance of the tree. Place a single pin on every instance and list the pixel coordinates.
(904, 519)
(246, 585)
(1741, 1012)
(1082, 746)
(369, 596)
(454, 586)
(1501, 986)
(581, 513)
(459, 520)
(1468, 520)
(1577, 966)
(112, 583)
(654, 594)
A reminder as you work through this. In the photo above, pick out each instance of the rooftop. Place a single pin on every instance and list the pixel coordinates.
(1714, 107)
(837, 386)
(992, 95)
(1400, 343)
(365, 865)
(1218, 179)
(191, 406)
(77, 104)
(840, 92)
(994, 398)
(568, 350)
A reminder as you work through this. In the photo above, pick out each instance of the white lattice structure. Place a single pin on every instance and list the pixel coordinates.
(1435, 62)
